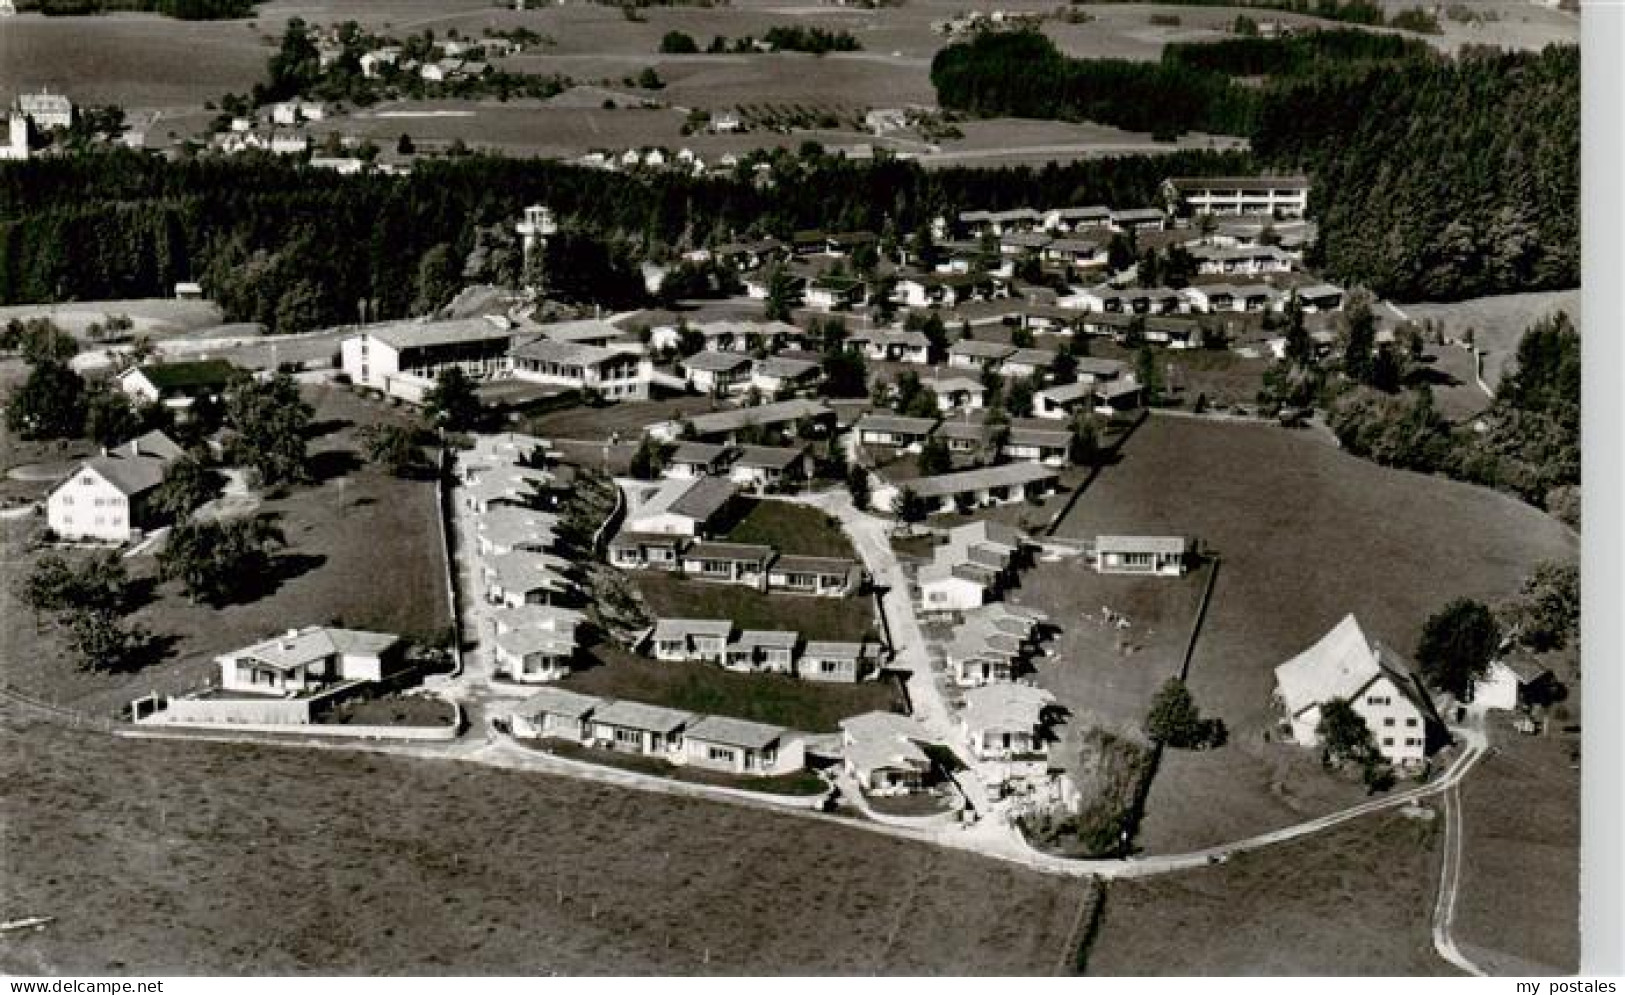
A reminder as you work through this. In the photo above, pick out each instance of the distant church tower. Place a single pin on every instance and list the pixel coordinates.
(534, 231)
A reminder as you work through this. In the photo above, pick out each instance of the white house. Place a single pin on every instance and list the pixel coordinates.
(882, 752)
(1381, 687)
(1511, 683)
(718, 372)
(897, 431)
(957, 393)
(619, 373)
(763, 651)
(681, 507)
(304, 660)
(891, 346)
(108, 497)
(633, 727)
(680, 639)
(820, 576)
(176, 385)
(980, 487)
(403, 358)
(1162, 556)
(1006, 721)
(735, 746)
(837, 662)
(1279, 196)
(554, 713)
(776, 375)
(974, 354)
(728, 563)
(46, 109)
(763, 467)
(532, 656)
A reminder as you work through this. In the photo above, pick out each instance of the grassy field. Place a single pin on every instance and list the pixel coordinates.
(334, 568)
(1306, 535)
(158, 318)
(1518, 910)
(1352, 901)
(670, 596)
(626, 419)
(700, 687)
(145, 850)
(1497, 322)
(792, 529)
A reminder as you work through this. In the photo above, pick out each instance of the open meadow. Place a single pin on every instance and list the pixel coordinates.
(1305, 535)
(333, 568)
(1497, 323)
(1351, 901)
(148, 853)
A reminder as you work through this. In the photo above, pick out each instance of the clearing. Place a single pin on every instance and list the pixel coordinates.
(1306, 534)
(1497, 322)
(145, 849)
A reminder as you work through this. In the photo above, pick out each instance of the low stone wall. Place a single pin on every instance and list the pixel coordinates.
(267, 717)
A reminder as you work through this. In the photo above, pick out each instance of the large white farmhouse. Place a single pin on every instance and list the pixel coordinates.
(1378, 683)
(107, 498)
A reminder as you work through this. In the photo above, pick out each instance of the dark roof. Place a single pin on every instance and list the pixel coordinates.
(980, 349)
(1007, 475)
(699, 452)
(737, 551)
(717, 362)
(769, 457)
(1184, 183)
(895, 424)
(704, 499)
(190, 374)
(814, 565)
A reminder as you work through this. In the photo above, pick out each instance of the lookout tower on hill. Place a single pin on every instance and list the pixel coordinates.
(538, 225)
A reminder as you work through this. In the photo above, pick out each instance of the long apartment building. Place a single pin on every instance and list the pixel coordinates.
(1271, 196)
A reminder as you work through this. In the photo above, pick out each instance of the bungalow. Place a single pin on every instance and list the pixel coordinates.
(725, 426)
(109, 497)
(543, 618)
(736, 746)
(1038, 442)
(697, 459)
(1153, 300)
(881, 751)
(985, 486)
(532, 656)
(931, 290)
(823, 576)
(752, 254)
(515, 579)
(554, 713)
(1060, 403)
(1379, 684)
(1028, 363)
(999, 222)
(1233, 261)
(974, 354)
(834, 293)
(647, 551)
(963, 435)
(1118, 397)
(763, 467)
(1163, 556)
(632, 727)
(1074, 218)
(759, 285)
(981, 653)
(1005, 721)
(957, 393)
(309, 659)
(837, 662)
(682, 507)
(1023, 243)
(761, 650)
(508, 530)
(778, 375)
(1083, 253)
(717, 372)
(1320, 297)
(618, 372)
(1210, 298)
(691, 639)
(512, 486)
(728, 562)
(177, 385)
(897, 431)
(1139, 219)
(970, 568)
(887, 346)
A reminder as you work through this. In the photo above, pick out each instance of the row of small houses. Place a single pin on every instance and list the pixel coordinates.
(526, 573)
(762, 651)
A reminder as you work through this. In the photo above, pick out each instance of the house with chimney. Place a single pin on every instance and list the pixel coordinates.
(109, 497)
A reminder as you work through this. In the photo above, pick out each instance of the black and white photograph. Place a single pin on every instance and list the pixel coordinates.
(804, 488)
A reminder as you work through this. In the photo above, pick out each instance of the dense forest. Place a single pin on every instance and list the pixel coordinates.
(297, 247)
(1377, 122)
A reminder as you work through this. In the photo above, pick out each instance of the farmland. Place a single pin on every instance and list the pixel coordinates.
(1305, 534)
(1352, 901)
(330, 570)
(144, 850)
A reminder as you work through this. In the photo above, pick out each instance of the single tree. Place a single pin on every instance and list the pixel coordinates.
(857, 481)
(934, 458)
(188, 484)
(1344, 734)
(395, 449)
(100, 640)
(1458, 642)
(1174, 720)
(269, 421)
(217, 562)
(909, 506)
(451, 403)
(49, 405)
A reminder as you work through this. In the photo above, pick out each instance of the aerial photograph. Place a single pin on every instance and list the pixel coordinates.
(790, 488)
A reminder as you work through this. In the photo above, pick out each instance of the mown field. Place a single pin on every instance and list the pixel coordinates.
(1306, 534)
(145, 851)
(1355, 900)
(336, 567)
(1497, 323)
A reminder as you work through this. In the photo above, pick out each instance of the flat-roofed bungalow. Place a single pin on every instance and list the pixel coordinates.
(837, 662)
(737, 746)
(823, 576)
(882, 752)
(987, 485)
(728, 562)
(1166, 556)
(633, 727)
(896, 431)
(763, 650)
(554, 713)
(1004, 721)
(764, 467)
(680, 639)
(647, 550)
(532, 656)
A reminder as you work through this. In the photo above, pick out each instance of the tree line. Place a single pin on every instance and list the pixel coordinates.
(298, 248)
(184, 10)
(1376, 122)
